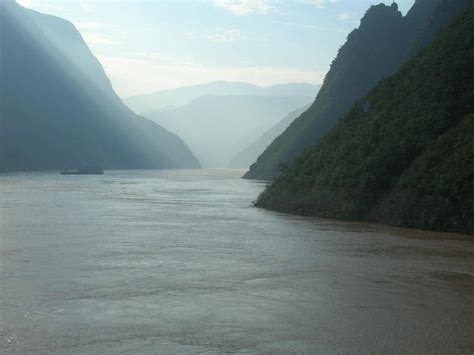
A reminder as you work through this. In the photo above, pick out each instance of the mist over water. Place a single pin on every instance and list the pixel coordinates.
(179, 262)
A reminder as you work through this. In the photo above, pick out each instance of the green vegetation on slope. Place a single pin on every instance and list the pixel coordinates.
(410, 160)
(382, 43)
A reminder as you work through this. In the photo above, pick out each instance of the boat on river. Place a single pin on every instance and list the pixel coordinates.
(90, 170)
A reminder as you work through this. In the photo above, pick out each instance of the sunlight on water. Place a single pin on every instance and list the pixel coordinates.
(179, 262)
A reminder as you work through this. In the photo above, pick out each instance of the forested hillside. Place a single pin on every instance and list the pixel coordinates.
(382, 43)
(409, 160)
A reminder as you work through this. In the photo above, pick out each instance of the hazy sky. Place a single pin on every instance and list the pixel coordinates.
(146, 46)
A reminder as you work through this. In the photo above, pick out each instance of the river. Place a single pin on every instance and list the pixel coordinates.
(179, 262)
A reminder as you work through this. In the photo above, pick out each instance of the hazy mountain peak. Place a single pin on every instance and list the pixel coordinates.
(58, 109)
(217, 127)
(183, 95)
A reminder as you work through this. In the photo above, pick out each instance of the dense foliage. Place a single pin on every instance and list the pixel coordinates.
(58, 109)
(382, 43)
(410, 160)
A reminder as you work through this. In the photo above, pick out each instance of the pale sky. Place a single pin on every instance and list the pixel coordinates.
(147, 46)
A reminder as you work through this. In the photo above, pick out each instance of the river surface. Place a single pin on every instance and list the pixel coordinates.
(165, 262)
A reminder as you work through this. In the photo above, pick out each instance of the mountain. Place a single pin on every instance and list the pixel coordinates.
(249, 155)
(58, 109)
(382, 43)
(442, 14)
(181, 96)
(217, 127)
(409, 160)
(64, 36)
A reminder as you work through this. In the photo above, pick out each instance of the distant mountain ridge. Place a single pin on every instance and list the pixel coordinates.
(184, 95)
(58, 108)
(409, 160)
(384, 40)
(216, 127)
(249, 155)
